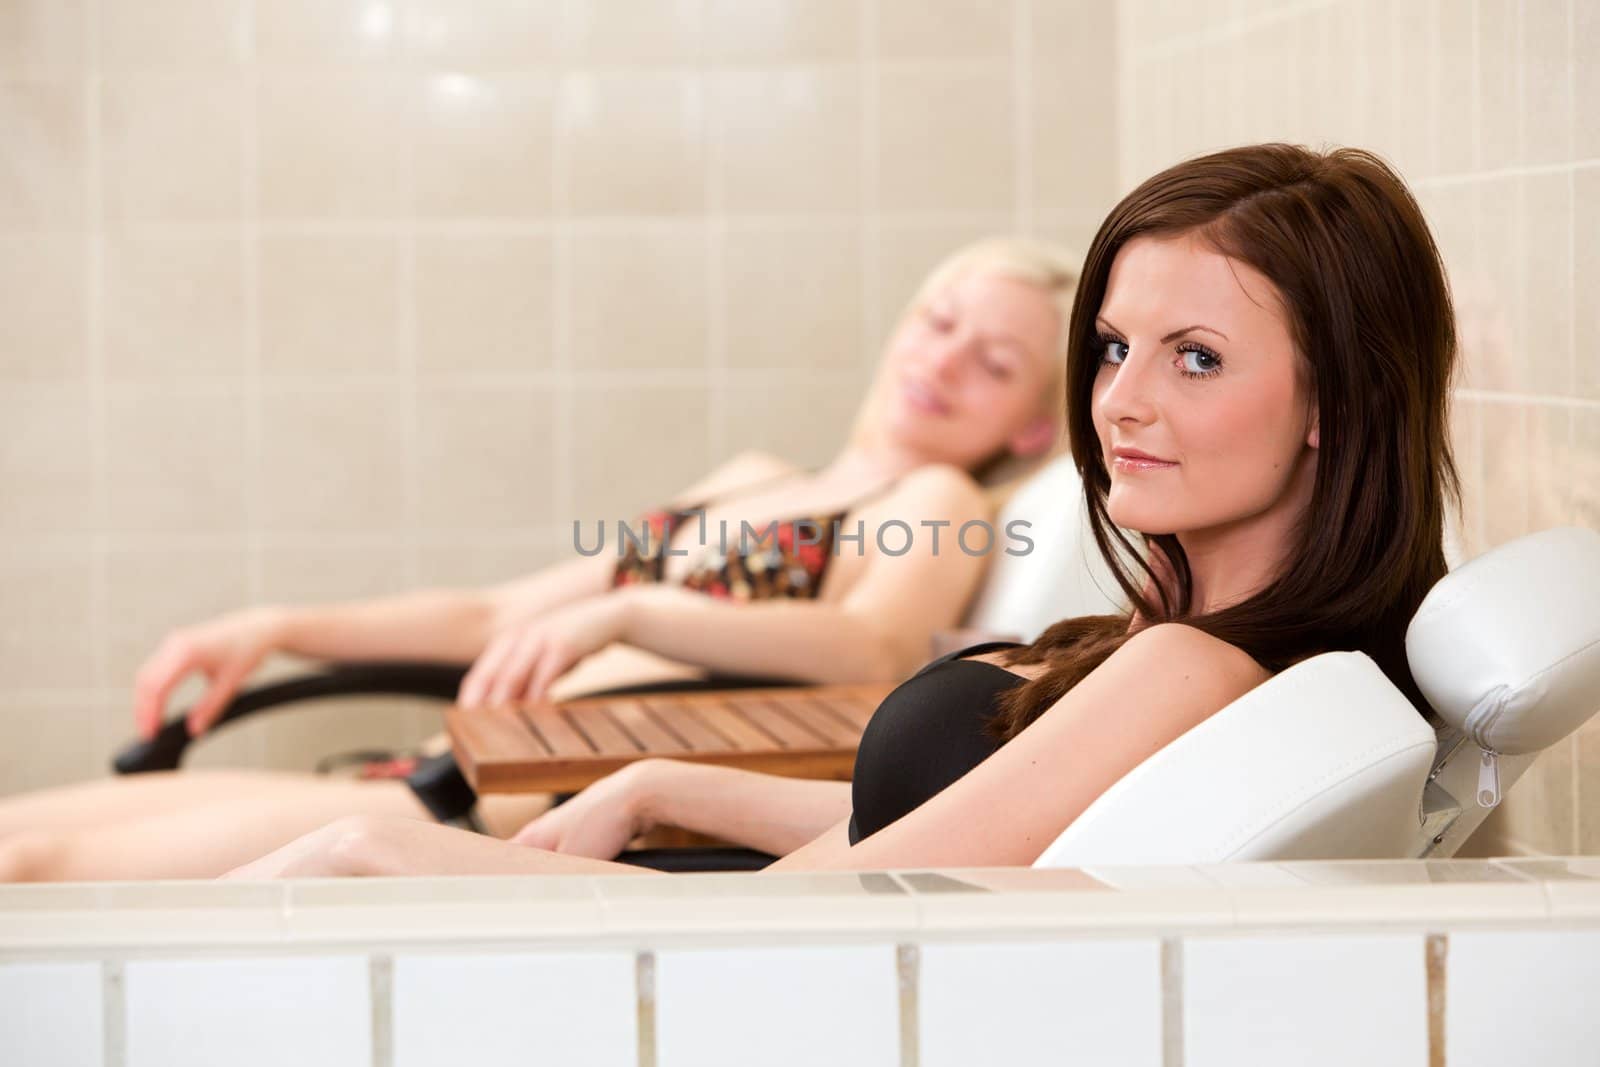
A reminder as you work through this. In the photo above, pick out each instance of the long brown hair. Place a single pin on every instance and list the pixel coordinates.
(1369, 311)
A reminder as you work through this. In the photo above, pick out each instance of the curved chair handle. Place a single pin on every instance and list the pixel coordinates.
(697, 860)
(165, 751)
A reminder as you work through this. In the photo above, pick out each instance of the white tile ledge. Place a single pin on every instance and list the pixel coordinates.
(132, 919)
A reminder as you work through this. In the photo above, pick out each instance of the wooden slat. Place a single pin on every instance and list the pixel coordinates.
(833, 730)
(790, 734)
(851, 707)
(689, 726)
(550, 721)
(566, 747)
(496, 733)
(723, 717)
(500, 731)
(646, 728)
(594, 721)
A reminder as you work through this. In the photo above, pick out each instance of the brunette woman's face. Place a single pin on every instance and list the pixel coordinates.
(1201, 402)
(966, 374)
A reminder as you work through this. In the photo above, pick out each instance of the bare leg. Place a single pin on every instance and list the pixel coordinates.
(139, 797)
(95, 804)
(214, 830)
(375, 846)
(201, 840)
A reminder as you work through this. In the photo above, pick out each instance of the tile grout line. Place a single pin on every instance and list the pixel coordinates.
(1022, 115)
(716, 267)
(403, 243)
(1576, 790)
(562, 394)
(1219, 33)
(97, 400)
(250, 251)
(1489, 396)
(1437, 950)
(113, 1013)
(645, 991)
(869, 226)
(908, 973)
(1528, 170)
(254, 399)
(1474, 102)
(1172, 1002)
(625, 224)
(380, 971)
(1574, 385)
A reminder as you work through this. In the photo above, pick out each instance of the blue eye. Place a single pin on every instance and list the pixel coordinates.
(1199, 361)
(1112, 351)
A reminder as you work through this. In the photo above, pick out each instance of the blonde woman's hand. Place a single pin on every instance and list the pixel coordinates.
(225, 651)
(524, 659)
(598, 822)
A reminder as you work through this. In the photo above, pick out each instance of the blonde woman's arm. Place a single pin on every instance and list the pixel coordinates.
(452, 625)
(879, 631)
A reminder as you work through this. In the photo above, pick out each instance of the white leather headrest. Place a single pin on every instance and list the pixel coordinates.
(1325, 760)
(1507, 647)
(1061, 577)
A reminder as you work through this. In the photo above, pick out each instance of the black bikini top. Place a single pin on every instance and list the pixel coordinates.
(927, 733)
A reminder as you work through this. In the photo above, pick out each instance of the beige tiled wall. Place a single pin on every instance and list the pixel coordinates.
(320, 298)
(1491, 109)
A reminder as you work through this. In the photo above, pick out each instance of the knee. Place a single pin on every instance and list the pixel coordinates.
(32, 856)
(358, 844)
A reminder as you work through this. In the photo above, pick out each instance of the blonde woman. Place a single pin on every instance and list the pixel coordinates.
(970, 377)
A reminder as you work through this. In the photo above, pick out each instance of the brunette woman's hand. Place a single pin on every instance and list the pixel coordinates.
(225, 650)
(524, 659)
(600, 821)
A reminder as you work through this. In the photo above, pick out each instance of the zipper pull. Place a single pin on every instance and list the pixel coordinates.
(1489, 779)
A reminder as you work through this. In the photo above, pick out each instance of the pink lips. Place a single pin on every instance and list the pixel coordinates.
(1131, 460)
(923, 399)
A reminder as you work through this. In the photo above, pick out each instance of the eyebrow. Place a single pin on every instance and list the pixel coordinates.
(1173, 336)
(1003, 339)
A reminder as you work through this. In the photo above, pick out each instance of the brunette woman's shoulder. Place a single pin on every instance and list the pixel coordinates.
(1188, 657)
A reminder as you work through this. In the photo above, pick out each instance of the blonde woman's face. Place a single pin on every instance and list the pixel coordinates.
(1200, 404)
(966, 374)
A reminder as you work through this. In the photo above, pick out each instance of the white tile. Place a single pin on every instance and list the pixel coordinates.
(1378, 891)
(723, 904)
(50, 1013)
(780, 1007)
(578, 1009)
(1296, 999)
(308, 1011)
(1042, 1003)
(442, 910)
(167, 914)
(1066, 900)
(1522, 997)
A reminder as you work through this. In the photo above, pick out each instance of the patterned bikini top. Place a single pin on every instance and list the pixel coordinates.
(783, 558)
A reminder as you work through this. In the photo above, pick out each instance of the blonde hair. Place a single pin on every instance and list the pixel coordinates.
(1046, 266)
(1024, 259)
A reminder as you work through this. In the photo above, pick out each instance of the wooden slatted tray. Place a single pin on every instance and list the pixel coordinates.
(806, 732)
